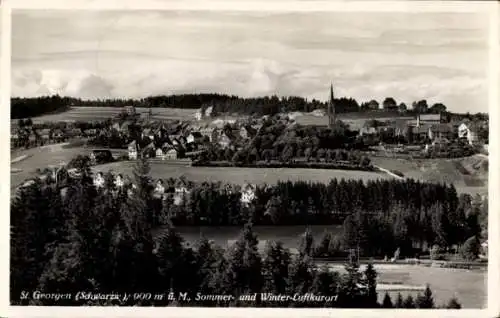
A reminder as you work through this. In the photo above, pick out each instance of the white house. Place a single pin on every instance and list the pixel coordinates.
(224, 141)
(132, 150)
(159, 189)
(99, 180)
(181, 190)
(469, 131)
(171, 154)
(208, 111)
(247, 194)
(116, 126)
(160, 154)
(119, 182)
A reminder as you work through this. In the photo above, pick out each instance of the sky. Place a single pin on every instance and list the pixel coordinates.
(441, 57)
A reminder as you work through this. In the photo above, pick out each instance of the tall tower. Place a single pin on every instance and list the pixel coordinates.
(331, 109)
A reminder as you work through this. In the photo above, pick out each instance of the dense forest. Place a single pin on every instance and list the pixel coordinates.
(31, 107)
(410, 215)
(83, 239)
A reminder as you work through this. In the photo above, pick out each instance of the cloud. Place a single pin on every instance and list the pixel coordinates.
(62, 82)
(373, 55)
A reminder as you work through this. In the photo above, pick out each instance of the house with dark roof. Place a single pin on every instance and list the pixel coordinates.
(421, 132)
(441, 131)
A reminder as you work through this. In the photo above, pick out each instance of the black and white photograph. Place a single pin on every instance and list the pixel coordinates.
(239, 158)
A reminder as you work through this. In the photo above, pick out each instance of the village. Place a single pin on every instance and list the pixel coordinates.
(425, 135)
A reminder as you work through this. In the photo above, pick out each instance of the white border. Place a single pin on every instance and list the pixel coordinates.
(5, 155)
(267, 6)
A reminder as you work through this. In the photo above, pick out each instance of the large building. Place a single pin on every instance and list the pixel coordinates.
(331, 109)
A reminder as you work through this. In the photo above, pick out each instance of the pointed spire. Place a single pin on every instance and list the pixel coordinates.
(331, 93)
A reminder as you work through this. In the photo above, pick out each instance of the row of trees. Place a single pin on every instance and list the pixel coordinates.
(250, 156)
(85, 240)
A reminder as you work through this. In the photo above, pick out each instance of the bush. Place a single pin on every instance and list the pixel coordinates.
(471, 248)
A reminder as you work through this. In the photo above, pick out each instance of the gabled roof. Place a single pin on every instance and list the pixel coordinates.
(422, 129)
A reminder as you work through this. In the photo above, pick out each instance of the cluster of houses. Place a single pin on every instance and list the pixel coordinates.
(428, 127)
(178, 192)
(38, 136)
(186, 140)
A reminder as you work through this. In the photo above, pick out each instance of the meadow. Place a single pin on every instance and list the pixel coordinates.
(469, 175)
(354, 120)
(241, 175)
(78, 113)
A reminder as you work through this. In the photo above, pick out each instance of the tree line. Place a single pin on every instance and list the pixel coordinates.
(82, 239)
(410, 215)
(267, 105)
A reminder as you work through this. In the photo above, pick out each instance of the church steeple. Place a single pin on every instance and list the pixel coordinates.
(331, 109)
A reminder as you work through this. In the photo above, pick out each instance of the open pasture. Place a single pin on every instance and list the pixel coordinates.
(78, 113)
(40, 157)
(241, 175)
(469, 175)
(354, 120)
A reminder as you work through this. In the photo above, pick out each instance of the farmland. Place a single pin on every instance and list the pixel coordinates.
(241, 175)
(354, 120)
(103, 113)
(469, 175)
(78, 113)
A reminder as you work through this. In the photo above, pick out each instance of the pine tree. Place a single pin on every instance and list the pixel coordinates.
(325, 283)
(409, 303)
(244, 271)
(275, 268)
(351, 292)
(399, 301)
(370, 280)
(322, 248)
(387, 302)
(169, 252)
(425, 301)
(306, 244)
(350, 232)
(300, 275)
(29, 236)
(453, 304)
(207, 261)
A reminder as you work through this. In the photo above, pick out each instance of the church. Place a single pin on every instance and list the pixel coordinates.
(331, 109)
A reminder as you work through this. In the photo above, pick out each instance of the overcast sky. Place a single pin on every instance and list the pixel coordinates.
(441, 57)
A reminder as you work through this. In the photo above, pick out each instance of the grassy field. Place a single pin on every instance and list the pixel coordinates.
(469, 175)
(469, 286)
(102, 113)
(241, 175)
(40, 157)
(354, 120)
